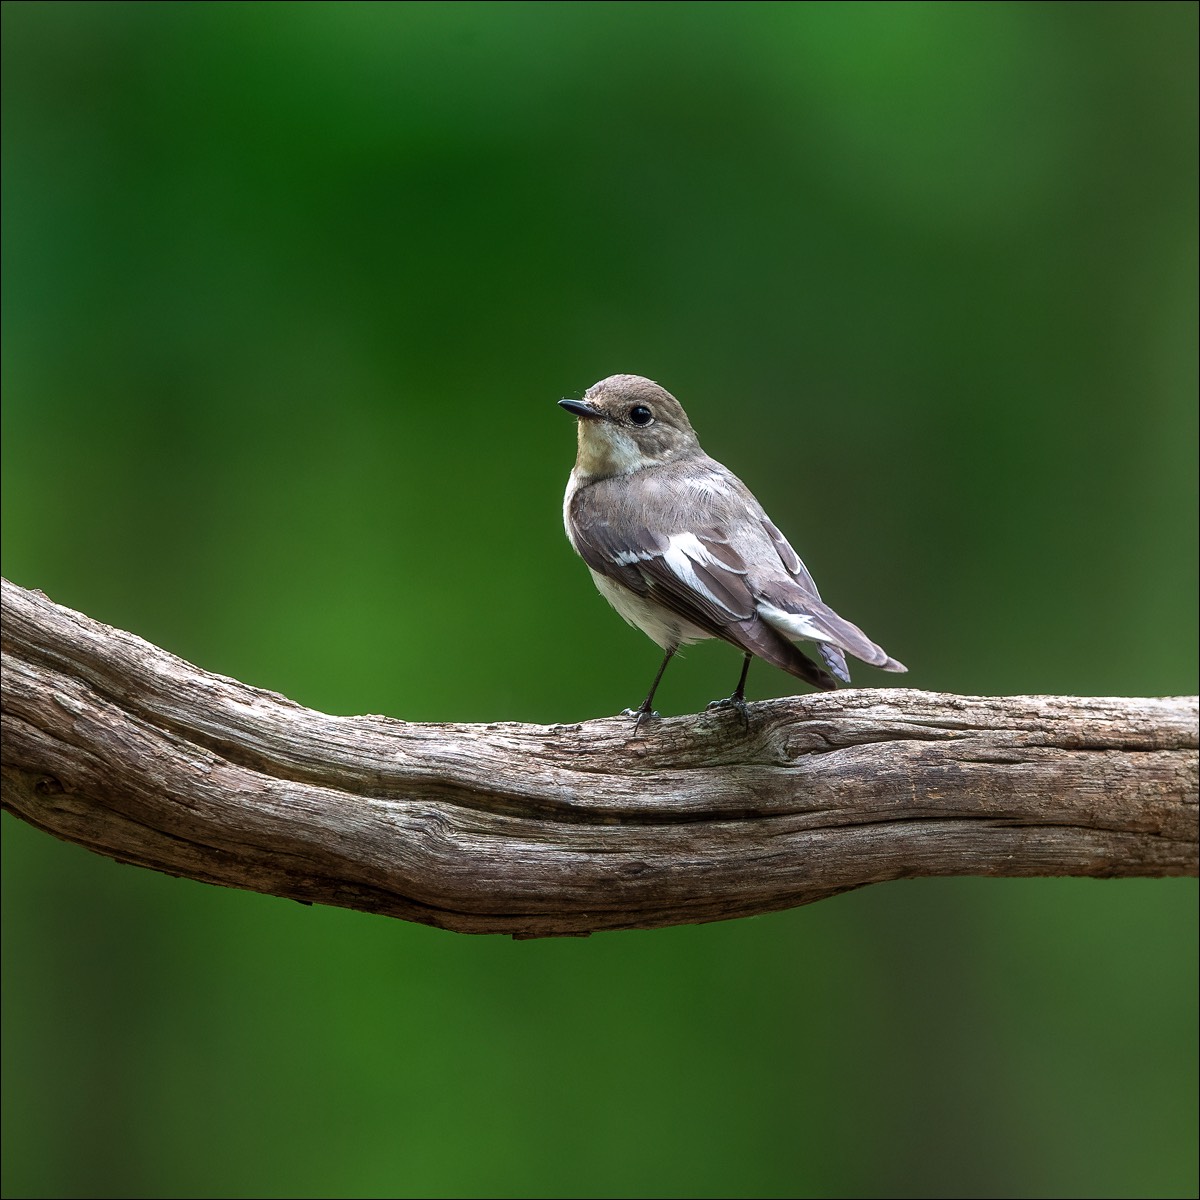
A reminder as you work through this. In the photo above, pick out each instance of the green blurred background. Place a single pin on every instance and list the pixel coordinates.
(289, 294)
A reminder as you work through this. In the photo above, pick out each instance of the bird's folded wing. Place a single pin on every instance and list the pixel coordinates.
(703, 576)
(698, 576)
(698, 573)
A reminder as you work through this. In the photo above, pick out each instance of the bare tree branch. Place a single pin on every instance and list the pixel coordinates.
(531, 830)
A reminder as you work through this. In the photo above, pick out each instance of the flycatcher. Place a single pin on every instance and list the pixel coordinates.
(680, 547)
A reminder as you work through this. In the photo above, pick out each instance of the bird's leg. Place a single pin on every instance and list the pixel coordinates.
(647, 707)
(738, 700)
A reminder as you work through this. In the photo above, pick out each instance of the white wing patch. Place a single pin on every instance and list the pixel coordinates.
(794, 625)
(684, 552)
(684, 549)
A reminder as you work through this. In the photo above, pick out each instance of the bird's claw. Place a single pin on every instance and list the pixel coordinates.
(738, 704)
(642, 714)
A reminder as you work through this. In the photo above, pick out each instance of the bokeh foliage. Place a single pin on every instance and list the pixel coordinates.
(289, 293)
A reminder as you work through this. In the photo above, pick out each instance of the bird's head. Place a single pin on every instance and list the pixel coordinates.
(627, 423)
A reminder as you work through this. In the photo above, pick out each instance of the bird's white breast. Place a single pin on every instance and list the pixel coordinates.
(572, 488)
(659, 624)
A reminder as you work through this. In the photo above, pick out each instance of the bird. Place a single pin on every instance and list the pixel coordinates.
(680, 547)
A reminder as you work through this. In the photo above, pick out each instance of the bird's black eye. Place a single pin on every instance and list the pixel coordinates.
(641, 415)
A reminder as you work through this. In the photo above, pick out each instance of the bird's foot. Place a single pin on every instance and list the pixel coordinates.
(642, 714)
(738, 704)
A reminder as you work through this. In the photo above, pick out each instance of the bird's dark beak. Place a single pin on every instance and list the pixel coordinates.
(581, 408)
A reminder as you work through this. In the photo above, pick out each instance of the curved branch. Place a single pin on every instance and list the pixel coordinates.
(564, 829)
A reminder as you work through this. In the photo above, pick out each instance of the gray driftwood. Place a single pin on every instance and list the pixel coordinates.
(564, 829)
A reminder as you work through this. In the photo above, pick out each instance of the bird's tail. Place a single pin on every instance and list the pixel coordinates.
(761, 639)
(812, 621)
(835, 660)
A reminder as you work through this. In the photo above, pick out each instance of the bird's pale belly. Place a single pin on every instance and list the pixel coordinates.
(656, 622)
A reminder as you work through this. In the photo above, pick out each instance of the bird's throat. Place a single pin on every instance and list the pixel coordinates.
(605, 450)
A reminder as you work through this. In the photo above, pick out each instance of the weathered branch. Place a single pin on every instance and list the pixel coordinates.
(131, 752)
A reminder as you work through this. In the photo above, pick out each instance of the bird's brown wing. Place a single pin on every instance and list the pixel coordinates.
(697, 574)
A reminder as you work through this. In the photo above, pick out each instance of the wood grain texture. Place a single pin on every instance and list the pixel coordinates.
(123, 748)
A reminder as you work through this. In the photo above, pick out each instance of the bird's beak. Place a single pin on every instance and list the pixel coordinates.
(581, 408)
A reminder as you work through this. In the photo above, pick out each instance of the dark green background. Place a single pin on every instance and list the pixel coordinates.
(289, 294)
